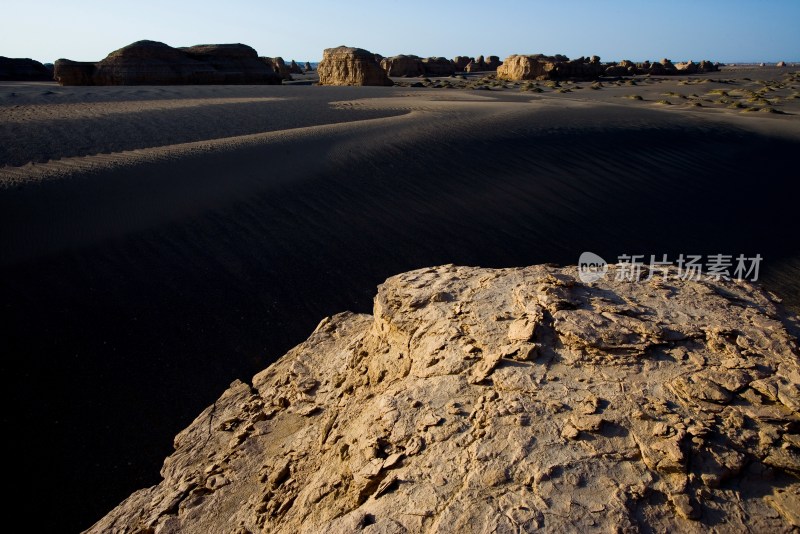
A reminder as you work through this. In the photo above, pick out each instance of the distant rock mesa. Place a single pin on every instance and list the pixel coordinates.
(481, 400)
(23, 70)
(540, 67)
(460, 62)
(438, 66)
(155, 63)
(413, 66)
(279, 66)
(351, 66)
(403, 66)
(559, 67)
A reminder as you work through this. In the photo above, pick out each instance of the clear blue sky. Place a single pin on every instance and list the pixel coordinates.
(728, 31)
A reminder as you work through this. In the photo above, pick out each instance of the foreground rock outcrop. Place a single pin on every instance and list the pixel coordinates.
(351, 66)
(23, 70)
(480, 400)
(155, 63)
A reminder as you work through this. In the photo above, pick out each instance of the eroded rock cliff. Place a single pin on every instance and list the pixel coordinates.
(480, 400)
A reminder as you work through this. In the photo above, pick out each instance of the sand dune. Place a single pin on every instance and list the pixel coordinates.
(223, 223)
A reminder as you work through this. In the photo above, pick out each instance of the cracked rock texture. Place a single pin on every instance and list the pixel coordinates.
(482, 400)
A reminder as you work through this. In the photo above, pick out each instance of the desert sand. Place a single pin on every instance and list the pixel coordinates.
(157, 243)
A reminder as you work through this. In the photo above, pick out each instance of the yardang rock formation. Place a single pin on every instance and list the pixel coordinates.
(559, 67)
(23, 69)
(403, 66)
(478, 400)
(539, 67)
(155, 63)
(351, 66)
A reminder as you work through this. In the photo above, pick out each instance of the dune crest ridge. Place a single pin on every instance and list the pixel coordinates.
(507, 399)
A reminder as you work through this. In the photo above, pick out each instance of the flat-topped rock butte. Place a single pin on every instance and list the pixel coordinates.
(155, 63)
(509, 400)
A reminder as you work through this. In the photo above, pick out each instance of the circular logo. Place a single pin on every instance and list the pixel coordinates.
(591, 267)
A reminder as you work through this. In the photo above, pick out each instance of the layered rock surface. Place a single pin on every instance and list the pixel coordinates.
(480, 400)
(155, 63)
